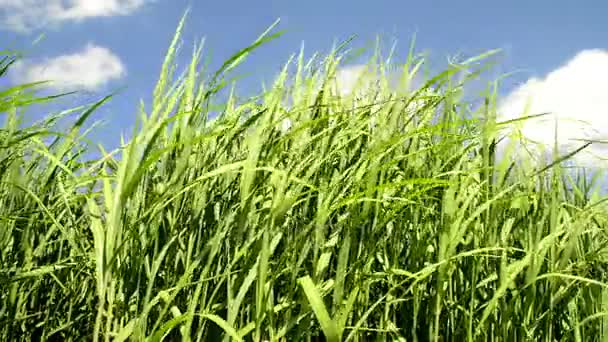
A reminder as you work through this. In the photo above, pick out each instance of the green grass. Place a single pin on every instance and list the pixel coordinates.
(406, 229)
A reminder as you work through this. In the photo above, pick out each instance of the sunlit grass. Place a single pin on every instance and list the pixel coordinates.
(379, 215)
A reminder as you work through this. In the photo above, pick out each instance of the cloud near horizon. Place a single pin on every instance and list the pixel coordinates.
(575, 95)
(359, 77)
(355, 79)
(88, 69)
(23, 16)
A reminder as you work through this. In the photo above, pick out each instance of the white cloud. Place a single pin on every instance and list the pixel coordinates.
(361, 78)
(88, 69)
(347, 80)
(353, 77)
(576, 96)
(26, 15)
(356, 79)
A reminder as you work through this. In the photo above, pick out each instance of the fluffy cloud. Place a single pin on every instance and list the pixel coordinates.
(359, 77)
(575, 95)
(356, 79)
(25, 15)
(353, 77)
(88, 69)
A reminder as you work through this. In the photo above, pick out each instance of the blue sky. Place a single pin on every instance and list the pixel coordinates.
(113, 43)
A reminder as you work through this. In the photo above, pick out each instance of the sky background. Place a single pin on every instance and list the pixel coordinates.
(558, 47)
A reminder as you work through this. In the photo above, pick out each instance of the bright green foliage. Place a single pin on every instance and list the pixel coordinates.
(380, 215)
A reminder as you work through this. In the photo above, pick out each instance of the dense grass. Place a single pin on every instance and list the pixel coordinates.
(380, 216)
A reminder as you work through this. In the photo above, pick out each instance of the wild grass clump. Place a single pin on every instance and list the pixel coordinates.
(381, 215)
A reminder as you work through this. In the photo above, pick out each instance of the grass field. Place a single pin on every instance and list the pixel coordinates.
(335, 229)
